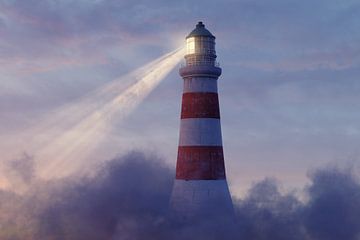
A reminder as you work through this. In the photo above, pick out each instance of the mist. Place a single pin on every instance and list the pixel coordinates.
(128, 198)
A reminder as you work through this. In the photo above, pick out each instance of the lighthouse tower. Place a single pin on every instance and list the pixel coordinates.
(200, 187)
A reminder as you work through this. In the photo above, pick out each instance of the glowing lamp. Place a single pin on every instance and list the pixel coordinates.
(190, 45)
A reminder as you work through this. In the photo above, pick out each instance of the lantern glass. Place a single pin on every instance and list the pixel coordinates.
(190, 45)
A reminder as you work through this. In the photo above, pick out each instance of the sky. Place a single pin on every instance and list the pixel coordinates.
(288, 93)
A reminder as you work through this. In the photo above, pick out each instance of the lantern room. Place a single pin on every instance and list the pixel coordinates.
(200, 47)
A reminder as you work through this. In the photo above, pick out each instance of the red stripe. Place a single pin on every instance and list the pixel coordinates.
(200, 105)
(200, 163)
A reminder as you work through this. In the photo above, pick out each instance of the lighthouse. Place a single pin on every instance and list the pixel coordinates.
(200, 186)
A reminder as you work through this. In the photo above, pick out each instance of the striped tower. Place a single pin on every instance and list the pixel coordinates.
(200, 186)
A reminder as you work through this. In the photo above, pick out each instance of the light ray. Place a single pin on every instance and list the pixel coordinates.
(68, 136)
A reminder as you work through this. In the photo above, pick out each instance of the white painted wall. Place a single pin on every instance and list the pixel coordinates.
(200, 84)
(194, 197)
(200, 132)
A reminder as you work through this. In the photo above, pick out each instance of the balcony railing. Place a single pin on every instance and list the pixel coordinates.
(200, 63)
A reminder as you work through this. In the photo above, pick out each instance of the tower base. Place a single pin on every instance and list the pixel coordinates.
(200, 198)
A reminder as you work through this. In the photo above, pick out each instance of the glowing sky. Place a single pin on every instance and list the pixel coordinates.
(289, 92)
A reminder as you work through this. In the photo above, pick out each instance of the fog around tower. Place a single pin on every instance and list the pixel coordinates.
(129, 195)
(288, 94)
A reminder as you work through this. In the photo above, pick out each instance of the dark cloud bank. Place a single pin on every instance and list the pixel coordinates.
(128, 199)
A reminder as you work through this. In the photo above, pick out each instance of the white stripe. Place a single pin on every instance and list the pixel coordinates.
(200, 84)
(200, 132)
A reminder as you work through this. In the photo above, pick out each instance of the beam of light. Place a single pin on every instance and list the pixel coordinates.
(68, 136)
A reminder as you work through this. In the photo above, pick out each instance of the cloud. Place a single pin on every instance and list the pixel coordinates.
(280, 31)
(334, 206)
(265, 213)
(128, 199)
(69, 31)
(336, 59)
(132, 188)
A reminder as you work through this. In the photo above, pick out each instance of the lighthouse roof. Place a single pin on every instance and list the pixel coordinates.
(200, 30)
